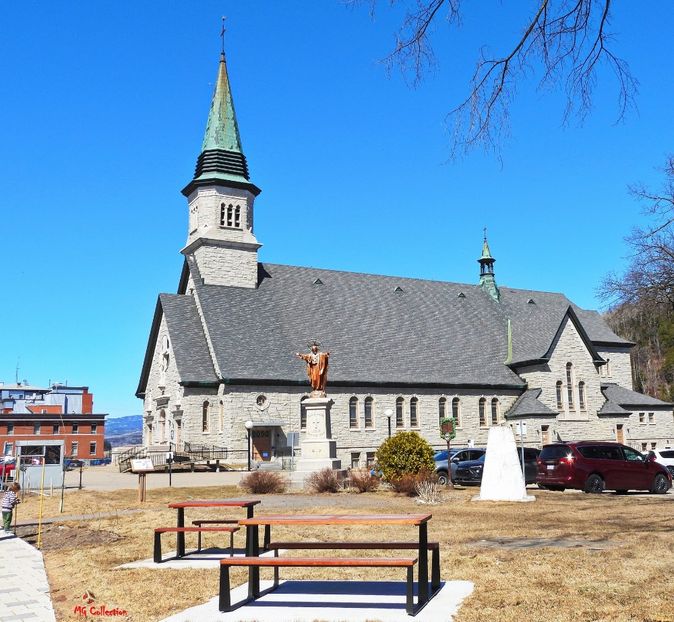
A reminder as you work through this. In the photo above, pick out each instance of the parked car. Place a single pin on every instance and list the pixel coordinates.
(664, 457)
(443, 467)
(72, 463)
(470, 472)
(594, 466)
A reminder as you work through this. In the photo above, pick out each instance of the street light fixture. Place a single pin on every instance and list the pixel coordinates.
(389, 413)
(249, 427)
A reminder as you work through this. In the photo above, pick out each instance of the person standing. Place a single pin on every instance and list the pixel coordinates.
(9, 502)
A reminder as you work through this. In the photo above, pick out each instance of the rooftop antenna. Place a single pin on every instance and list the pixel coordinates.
(222, 35)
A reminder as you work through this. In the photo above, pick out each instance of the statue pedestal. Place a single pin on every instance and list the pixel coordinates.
(318, 451)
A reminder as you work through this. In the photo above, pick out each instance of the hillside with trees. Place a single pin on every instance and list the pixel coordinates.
(642, 299)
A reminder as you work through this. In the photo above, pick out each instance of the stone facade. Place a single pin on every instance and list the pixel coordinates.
(618, 366)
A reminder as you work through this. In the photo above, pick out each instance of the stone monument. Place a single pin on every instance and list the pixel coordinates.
(502, 478)
(318, 451)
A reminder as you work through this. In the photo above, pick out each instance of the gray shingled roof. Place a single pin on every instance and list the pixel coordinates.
(620, 395)
(527, 404)
(379, 329)
(611, 408)
(187, 338)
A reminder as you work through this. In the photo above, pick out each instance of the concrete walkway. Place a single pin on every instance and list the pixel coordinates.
(24, 590)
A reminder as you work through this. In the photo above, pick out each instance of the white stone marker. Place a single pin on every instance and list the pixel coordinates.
(502, 478)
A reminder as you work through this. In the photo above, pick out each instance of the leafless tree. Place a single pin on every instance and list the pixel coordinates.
(564, 41)
(650, 273)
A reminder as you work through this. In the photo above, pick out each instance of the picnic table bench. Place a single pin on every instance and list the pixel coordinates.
(157, 556)
(254, 562)
(180, 506)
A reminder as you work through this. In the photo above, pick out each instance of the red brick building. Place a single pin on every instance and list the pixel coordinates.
(29, 413)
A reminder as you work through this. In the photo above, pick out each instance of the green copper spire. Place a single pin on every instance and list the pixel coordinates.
(222, 131)
(487, 278)
(221, 160)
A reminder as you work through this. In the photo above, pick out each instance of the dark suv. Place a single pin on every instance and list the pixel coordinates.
(593, 466)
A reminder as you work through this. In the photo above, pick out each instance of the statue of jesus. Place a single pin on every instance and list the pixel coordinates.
(317, 368)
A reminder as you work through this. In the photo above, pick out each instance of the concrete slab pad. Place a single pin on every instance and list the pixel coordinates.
(352, 601)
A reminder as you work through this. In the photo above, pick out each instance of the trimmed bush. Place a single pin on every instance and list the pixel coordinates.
(263, 482)
(325, 480)
(363, 481)
(405, 453)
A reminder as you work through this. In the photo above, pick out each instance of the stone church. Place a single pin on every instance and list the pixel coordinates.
(405, 353)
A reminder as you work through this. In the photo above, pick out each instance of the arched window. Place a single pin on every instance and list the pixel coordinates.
(353, 413)
(223, 215)
(414, 416)
(442, 409)
(205, 415)
(569, 385)
(483, 415)
(400, 417)
(494, 411)
(303, 414)
(456, 411)
(237, 217)
(369, 421)
(560, 399)
(581, 395)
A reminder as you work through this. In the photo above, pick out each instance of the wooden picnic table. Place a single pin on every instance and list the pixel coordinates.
(180, 506)
(420, 521)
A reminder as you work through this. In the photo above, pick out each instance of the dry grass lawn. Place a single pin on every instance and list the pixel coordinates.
(624, 574)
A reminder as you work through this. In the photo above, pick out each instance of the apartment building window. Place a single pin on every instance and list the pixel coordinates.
(74, 449)
(92, 448)
(10, 429)
(94, 428)
(37, 428)
(8, 449)
(76, 428)
(56, 429)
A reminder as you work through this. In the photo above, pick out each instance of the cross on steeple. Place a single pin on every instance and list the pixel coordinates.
(222, 35)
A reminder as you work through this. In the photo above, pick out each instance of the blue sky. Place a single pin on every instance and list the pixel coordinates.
(104, 106)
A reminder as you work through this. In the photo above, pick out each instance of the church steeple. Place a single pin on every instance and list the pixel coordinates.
(221, 157)
(221, 198)
(487, 278)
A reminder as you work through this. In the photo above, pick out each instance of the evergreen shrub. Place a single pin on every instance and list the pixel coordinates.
(405, 453)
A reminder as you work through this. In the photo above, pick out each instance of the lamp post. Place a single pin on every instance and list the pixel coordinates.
(249, 427)
(389, 413)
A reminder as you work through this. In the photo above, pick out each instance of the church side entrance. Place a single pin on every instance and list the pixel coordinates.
(261, 444)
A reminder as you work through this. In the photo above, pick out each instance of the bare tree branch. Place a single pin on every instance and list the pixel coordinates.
(567, 41)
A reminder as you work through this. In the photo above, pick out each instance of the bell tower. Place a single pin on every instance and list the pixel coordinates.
(487, 277)
(221, 197)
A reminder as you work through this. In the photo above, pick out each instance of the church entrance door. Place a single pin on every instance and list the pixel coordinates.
(261, 444)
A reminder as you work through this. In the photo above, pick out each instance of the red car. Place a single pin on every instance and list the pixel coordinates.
(594, 466)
